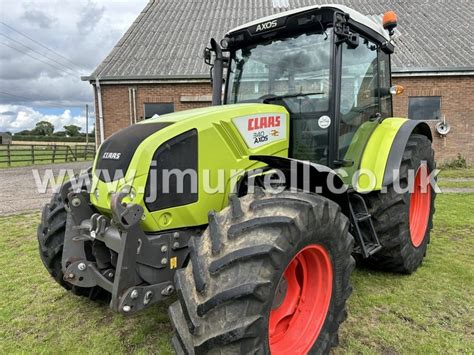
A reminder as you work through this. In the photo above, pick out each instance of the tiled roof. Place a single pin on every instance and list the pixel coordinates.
(168, 37)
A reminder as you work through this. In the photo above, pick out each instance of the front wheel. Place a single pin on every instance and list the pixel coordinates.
(270, 274)
(50, 234)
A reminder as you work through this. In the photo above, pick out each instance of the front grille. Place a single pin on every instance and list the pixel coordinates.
(179, 155)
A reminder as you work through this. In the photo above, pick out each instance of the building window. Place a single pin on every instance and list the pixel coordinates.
(424, 107)
(159, 109)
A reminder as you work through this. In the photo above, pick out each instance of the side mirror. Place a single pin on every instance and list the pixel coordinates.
(207, 55)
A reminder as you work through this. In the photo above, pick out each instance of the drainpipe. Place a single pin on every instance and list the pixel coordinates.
(134, 94)
(101, 112)
(96, 131)
(130, 105)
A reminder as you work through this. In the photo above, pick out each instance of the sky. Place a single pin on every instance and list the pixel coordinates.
(45, 47)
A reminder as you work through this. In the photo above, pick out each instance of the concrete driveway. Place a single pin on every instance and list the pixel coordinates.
(18, 189)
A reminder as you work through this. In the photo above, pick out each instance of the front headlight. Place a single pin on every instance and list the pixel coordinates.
(96, 194)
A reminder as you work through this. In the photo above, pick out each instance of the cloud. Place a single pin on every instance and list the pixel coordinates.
(91, 15)
(8, 113)
(38, 17)
(78, 34)
(14, 118)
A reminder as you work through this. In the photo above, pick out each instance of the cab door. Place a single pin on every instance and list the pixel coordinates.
(363, 103)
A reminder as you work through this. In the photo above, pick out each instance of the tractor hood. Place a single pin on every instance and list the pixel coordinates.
(202, 140)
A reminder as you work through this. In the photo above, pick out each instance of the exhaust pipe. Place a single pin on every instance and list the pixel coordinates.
(217, 73)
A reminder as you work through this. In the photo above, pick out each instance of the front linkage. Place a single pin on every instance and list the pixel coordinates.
(136, 268)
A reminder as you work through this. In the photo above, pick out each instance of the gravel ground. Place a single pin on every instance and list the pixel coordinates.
(18, 191)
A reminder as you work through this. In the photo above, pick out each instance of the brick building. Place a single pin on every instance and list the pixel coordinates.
(157, 66)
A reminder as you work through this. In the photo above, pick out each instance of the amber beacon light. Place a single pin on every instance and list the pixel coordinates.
(390, 21)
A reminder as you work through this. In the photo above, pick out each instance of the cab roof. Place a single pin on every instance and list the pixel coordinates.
(354, 15)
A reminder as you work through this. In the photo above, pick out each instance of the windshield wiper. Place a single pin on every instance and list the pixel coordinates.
(279, 97)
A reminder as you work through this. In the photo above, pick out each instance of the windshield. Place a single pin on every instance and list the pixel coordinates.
(287, 67)
(293, 72)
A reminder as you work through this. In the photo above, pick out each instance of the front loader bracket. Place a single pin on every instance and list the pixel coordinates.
(143, 265)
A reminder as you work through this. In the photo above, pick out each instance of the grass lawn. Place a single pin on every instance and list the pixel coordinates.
(456, 173)
(456, 184)
(448, 178)
(430, 311)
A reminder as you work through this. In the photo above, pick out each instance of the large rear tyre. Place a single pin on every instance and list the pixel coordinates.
(403, 221)
(50, 235)
(270, 274)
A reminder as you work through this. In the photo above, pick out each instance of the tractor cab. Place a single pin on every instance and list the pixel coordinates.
(329, 66)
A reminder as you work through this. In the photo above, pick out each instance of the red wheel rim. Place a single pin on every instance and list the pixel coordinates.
(420, 205)
(296, 321)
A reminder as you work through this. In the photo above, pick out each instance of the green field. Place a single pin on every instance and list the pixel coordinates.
(428, 312)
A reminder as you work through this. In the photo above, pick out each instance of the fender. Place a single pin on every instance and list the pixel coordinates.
(384, 151)
(308, 177)
(394, 160)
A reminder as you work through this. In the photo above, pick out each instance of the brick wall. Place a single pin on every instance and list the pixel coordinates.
(457, 93)
(116, 105)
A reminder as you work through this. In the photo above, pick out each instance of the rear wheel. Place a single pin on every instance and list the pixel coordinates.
(271, 274)
(50, 235)
(403, 221)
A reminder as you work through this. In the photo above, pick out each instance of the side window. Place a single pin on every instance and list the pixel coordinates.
(359, 100)
(385, 83)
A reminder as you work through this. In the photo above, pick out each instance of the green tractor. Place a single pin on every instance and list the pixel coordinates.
(253, 211)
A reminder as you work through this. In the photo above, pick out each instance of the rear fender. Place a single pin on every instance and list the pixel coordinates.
(383, 154)
(395, 156)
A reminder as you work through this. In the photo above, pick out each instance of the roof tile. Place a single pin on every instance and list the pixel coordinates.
(168, 36)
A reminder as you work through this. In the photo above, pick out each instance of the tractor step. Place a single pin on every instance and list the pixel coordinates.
(360, 217)
(363, 227)
(370, 248)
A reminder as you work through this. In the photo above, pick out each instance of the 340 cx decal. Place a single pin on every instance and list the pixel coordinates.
(261, 129)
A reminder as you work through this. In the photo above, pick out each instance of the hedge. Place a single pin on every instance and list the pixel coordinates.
(51, 139)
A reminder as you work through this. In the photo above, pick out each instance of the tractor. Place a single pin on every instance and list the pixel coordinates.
(255, 210)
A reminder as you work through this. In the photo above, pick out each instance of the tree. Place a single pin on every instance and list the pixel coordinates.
(25, 132)
(43, 128)
(72, 130)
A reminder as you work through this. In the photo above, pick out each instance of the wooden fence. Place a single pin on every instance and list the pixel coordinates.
(27, 154)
